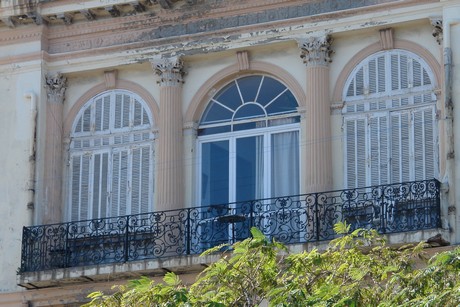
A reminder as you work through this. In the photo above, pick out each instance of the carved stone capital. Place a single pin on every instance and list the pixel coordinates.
(171, 72)
(316, 51)
(55, 87)
(437, 29)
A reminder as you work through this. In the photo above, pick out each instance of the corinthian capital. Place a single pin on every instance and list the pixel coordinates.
(317, 51)
(55, 87)
(171, 72)
(437, 29)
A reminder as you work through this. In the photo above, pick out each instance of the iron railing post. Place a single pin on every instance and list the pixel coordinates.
(438, 201)
(66, 247)
(127, 239)
(251, 215)
(188, 231)
(317, 217)
(24, 256)
(383, 213)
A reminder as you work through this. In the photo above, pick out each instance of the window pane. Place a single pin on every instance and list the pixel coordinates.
(215, 173)
(248, 111)
(285, 164)
(216, 113)
(249, 87)
(249, 168)
(283, 104)
(269, 90)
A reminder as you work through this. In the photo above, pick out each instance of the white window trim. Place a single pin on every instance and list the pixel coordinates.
(231, 137)
(111, 148)
(387, 96)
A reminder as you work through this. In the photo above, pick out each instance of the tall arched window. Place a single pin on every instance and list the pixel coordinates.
(249, 142)
(111, 157)
(390, 120)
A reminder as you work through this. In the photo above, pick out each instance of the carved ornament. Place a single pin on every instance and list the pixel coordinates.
(55, 87)
(316, 51)
(171, 72)
(437, 29)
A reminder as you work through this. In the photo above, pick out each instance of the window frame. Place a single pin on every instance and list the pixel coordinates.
(266, 132)
(146, 139)
(233, 134)
(424, 92)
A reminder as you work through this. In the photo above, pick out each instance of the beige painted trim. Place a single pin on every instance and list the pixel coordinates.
(210, 87)
(376, 47)
(120, 84)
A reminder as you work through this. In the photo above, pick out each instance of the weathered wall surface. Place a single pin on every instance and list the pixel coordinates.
(207, 36)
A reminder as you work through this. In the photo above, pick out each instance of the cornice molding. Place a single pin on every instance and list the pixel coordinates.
(171, 24)
(21, 35)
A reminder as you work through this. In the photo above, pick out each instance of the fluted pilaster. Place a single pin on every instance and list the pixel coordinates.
(169, 159)
(55, 90)
(316, 53)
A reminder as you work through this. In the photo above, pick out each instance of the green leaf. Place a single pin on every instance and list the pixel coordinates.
(342, 228)
(257, 234)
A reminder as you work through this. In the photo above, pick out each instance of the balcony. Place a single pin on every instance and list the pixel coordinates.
(394, 208)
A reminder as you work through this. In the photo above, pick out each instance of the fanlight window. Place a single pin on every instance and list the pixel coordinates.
(389, 120)
(247, 103)
(111, 157)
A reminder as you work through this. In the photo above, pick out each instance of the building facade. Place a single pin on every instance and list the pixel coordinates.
(136, 134)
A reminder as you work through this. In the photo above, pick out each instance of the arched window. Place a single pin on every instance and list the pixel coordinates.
(111, 157)
(389, 120)
(249, 142)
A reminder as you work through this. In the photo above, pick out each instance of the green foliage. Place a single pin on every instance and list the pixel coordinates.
(357, 269)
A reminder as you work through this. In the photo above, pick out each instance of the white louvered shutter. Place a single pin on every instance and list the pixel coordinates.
(398, 104)
(379, 156)
(80, 186)
(100, 184)
(140, 187)
(111, 165)
(120, 183)
(424, 143)
(400, 146)
(356, 152)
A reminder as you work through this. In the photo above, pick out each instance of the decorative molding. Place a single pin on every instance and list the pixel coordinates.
(243, 60)
(56, 86)
(336, 108)
(171, 71)
(138, 6)
(67, 18)
(190, 128)
(88, 14)
(437, 29)
(110, 78)
(113, 10)
(302, 111)
(8, 21)
(166, 4)
(316, 51)
(386, 38)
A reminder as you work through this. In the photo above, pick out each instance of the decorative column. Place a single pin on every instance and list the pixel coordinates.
(316, 52)
(55, 90)
(169, 160)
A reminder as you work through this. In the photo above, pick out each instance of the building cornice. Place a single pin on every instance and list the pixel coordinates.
(90, 50)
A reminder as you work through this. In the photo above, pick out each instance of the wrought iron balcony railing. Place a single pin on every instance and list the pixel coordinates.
(292, 219)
